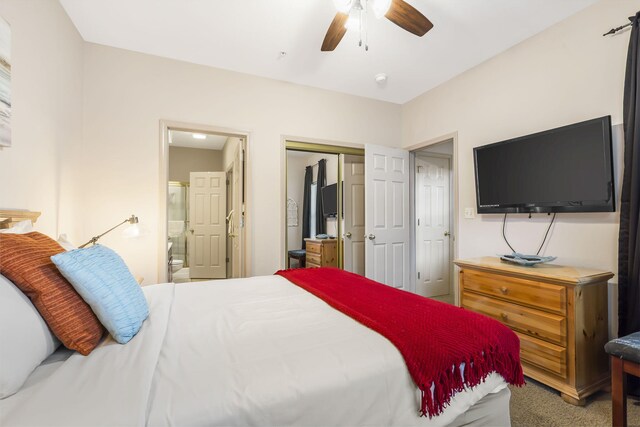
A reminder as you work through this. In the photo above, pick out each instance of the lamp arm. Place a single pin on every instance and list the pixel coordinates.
(95, 239)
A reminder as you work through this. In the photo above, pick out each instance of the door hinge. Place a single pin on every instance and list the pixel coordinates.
(227, 259)
(418, 221)
(418, 274)
(227, 182)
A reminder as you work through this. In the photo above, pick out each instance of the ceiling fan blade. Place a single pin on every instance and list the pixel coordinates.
(407, 17)
(335, 32)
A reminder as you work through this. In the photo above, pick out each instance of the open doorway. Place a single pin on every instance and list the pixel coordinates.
(434, 220)
(205, 204)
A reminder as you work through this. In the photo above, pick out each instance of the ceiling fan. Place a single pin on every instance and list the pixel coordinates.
(352, 14)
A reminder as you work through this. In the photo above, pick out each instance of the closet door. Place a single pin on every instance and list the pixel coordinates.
(387, 247)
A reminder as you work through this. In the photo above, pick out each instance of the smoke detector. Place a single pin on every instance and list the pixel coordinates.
(380, 78)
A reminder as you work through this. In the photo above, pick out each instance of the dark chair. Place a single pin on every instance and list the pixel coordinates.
(625, 359)
(300, 255)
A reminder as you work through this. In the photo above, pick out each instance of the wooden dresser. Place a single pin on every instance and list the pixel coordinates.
(321, 253)
(559, 313)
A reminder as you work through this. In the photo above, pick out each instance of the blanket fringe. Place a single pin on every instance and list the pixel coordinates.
(476, 370)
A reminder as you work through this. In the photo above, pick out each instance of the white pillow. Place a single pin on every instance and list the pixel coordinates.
(65, 243)
(21, 227)
(25, 338)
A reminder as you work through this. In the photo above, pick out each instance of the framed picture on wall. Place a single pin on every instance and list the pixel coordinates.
(5, 84)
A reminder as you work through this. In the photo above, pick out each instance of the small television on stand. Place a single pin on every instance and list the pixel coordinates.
(568, 169)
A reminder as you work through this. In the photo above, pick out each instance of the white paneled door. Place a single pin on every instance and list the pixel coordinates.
(433, 263)
(387, 215)
(354, 214)
(207, 235)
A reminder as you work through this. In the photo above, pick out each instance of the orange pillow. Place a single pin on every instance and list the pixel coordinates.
(25, 259)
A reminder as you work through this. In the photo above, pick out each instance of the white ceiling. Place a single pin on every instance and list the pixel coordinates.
(248, 36)
(185, 139)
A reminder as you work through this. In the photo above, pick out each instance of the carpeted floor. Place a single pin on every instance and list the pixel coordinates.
(537, 405)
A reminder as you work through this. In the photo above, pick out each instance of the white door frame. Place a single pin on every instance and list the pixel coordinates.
(163, 232)
(455, 217)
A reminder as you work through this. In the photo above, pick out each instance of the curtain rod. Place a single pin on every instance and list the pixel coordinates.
(316, 163)
(615, 30)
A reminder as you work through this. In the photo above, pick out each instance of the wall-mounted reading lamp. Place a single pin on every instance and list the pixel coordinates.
(132, 231)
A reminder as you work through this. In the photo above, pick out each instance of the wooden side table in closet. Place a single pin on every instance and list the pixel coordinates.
(559, 313)
(321, 253)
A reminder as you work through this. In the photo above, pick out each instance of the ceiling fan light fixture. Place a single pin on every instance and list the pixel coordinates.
(352, 15)
(353, 22)
(380, 7)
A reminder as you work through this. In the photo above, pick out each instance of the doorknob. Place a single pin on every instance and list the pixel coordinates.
(347, 234)
(446, 233)
(371, 236)
(191, 230)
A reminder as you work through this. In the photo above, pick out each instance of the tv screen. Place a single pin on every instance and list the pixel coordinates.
(330, 200)
(568, 169)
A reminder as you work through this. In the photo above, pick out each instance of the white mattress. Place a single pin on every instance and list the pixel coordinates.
(257, 351)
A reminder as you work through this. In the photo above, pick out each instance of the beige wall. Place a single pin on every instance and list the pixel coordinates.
(183, 160)
(563, 75)
(127, 94)
(40, 172)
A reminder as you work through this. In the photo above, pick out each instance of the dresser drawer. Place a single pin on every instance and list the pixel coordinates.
(312, 265)
(313, 259)
(544, 355)
(313, 247)
(539, 295)
(536, 323)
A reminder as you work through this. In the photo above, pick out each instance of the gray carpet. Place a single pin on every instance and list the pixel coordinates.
(537, 405)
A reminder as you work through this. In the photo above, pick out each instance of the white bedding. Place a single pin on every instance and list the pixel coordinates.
(258, 351)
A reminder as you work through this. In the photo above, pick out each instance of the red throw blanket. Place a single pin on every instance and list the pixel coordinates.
(433, 337)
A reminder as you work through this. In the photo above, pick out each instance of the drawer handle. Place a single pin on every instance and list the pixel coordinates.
(504, 316)
(504, 290)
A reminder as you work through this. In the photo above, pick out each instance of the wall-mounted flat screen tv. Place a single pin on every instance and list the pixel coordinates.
(330, 200)
(568, 169)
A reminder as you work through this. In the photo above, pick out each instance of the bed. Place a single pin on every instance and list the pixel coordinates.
(255, 351)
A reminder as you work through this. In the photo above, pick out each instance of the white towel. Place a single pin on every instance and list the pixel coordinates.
(176, 228)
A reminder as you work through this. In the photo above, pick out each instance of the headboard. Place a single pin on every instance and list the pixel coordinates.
(10, 217)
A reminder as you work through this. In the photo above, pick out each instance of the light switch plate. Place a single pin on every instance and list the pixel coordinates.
(469, 213)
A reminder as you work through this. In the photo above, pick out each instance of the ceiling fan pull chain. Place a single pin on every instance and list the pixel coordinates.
(363, 15)
(366, 28)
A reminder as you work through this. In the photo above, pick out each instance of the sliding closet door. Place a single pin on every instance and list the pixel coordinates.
(387, 215)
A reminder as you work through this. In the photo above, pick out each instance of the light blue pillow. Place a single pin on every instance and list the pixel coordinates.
(103, 280)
